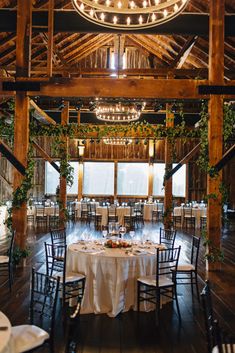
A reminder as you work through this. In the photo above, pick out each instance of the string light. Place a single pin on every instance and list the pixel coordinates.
(129, 14)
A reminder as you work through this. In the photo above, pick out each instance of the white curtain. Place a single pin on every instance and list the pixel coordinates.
(98, 178)
(132, 179)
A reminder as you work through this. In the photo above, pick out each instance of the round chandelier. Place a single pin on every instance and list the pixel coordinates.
(118, 112)
(117, 141)
(129, 14)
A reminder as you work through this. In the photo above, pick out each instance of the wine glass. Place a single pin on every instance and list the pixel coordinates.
(104, 233)
(122, 231)
(132, 234)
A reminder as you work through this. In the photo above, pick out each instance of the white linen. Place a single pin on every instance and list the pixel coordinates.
(196, 212)
(5, 335)
(27, 337)
(111, 277)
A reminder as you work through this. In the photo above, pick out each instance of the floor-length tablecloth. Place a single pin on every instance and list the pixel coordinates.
(111, 277)
(196, 212)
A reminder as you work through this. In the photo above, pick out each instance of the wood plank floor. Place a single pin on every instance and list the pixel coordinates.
(125, 333)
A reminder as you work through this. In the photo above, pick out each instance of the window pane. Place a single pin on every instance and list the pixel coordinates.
(178, 188)
(179, 183)
(52, 179)
(132, 179)
(158, 176)
(98, 178)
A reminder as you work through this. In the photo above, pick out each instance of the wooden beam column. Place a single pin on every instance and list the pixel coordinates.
(168, 167)
(21, 122)
(21, 146)
(215, 123)
(63, 183)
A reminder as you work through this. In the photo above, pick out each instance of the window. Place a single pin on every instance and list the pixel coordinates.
(178, 188)
(158, 176)
(98, 178)
(132, 179)
(52, 179)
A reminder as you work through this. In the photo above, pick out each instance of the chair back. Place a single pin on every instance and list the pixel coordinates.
(187, 211)
(55, 259)
(195, 251)
(167, 263)
(167, 237)
(58, 236)
(84, 206)
(112, 210)
(44, 294)
(11, 247)
(208, 316)
(40, 210)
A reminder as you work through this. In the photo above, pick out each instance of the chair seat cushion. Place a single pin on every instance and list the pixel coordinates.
(4, 259)
(185, 268)
(70, 276)
(27, 337)
(151, 281)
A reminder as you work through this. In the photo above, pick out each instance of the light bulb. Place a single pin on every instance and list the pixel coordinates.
(107, 3)
(115, 19)
(144, 4)
(153, 17)
(128, 21)
(92, 13)
(82, 7)
(176, 8)
(140, 19)
(165, 12)
(132, 4)
(119, 5)
(157, 2)
(102, 16)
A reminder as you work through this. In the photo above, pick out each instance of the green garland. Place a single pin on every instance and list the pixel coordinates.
(21, 194)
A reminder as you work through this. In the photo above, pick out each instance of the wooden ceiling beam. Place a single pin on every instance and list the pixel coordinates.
(184, 52)
(126, 88)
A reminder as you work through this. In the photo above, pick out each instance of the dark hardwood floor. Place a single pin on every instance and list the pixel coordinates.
(126, 333)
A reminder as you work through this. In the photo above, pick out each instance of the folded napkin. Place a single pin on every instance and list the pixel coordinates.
(139, 252)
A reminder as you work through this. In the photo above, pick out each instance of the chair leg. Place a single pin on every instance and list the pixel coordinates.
(196, 282)
(158, 306)
(177, 304)
(138, 297)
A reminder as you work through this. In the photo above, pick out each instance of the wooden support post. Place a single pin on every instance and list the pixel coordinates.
(50, 36)
(151, 158)
(63, 184)
(23, 38)
(115, 179)
(21, 145)
(168, 167)
(21, 122)
(80, 180)
(215, 122)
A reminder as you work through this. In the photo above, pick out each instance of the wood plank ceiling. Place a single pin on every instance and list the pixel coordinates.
(89, 54)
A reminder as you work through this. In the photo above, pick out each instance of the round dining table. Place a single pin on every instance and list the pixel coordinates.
(111, 275)
(5, 334)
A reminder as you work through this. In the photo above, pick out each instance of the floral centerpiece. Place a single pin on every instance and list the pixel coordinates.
(117, 244)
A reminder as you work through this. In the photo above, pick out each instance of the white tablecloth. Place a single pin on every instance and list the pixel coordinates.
(121, 212)
(197, 212)
(78, 206)
(5, 336)
(111, 277)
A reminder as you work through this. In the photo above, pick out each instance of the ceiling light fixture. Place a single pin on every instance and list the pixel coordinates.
(118, 141)
(129, 14)
(118, 112)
